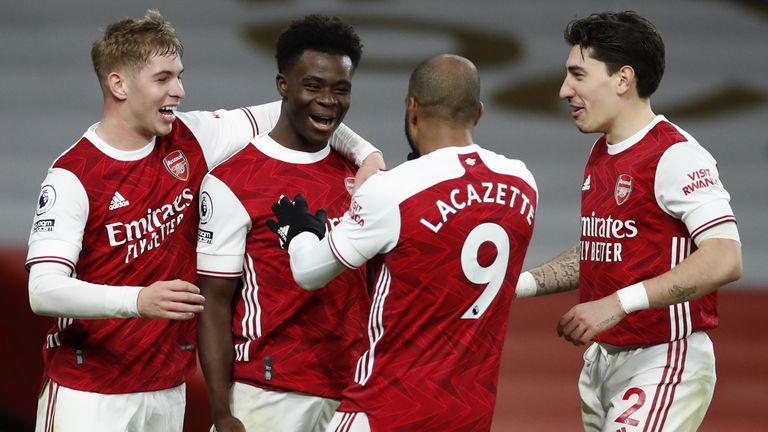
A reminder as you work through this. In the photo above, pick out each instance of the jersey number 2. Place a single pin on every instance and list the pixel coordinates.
(492, 275)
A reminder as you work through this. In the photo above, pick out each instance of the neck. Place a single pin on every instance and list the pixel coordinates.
(285, 135)
(630, 120)
(435, 134)
(120, 134)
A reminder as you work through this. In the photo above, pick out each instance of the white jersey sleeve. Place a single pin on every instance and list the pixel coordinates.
(224, 226)
(54, 292)
(59, 223)
(370, 227)
(222, 133)
(54, 249)
(688, 187)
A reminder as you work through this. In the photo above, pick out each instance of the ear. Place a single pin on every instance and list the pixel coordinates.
(626, 76)
(282, 85)
(411, 110)
(480, 112)
(117, 85)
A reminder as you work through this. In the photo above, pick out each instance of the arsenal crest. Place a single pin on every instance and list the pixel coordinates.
(623, 188)
(176, 164)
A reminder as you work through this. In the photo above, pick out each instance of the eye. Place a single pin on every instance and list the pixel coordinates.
(342, 90)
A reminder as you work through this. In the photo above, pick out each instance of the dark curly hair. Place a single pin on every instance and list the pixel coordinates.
(319, 33)
(622, 39)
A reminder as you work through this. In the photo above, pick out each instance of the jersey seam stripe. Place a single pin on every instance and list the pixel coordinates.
(678, 379)
(670, 379)
(253, 299)
(711, 224)
(337, 253)
(49, 258)
(384, 284)
(378, 328)
(664, 403)
(658, 388)
(228, 275)
(252, 120)
(659, 408)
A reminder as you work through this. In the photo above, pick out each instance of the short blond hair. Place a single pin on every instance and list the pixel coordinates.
(130, 43)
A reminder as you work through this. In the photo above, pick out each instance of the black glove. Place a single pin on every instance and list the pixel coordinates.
(294, 218)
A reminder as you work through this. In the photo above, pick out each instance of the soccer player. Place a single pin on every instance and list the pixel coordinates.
(447, 233)
(275, 357)
(658, 238)
(112, 247)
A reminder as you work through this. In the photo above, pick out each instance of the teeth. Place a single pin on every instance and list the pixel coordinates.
(168, 108)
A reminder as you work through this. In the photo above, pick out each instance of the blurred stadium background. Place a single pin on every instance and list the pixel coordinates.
(714, 87)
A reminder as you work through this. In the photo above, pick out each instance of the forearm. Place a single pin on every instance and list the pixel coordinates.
(351, 145)
(53, 292)
(558, 275)
(215, 342)
(716, 263)
(312, 263)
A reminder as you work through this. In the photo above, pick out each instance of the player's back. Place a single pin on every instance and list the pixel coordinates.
(442, 293)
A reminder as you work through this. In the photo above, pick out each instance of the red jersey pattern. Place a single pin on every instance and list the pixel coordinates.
(627, 237)
(286, 338)
(140, 228)
(443, 289)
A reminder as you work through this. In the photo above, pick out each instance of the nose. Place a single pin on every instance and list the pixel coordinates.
(177, 90)
(566, 91)
(326, 97)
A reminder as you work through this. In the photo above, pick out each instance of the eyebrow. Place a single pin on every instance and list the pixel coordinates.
(166, 72)
(574, 69)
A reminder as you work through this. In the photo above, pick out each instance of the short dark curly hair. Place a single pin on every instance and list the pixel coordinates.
(319, 33)
(622, 38)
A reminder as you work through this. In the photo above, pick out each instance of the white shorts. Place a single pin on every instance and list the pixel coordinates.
(265, 410)
(660, 387)
(62, 409)
(349, 422)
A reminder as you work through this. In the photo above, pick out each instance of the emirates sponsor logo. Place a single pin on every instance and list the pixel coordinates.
(623, 188)
(176, 163)
(150, 231)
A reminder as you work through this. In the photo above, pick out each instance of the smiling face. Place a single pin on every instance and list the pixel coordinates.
(590, 92)
(153, 94)
(316, 91)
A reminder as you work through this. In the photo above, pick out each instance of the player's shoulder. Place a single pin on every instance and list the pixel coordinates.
(502, 164)
(247, 158)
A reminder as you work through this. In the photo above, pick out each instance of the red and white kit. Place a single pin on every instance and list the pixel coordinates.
(129, 219)
(453, 227)
(116, 221)
(645, 202)
(286, 338)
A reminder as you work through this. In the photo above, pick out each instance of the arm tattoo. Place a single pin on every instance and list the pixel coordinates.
(560, 274)
(682, 294)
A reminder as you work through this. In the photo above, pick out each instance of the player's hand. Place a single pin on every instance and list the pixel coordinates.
(229, 424)
(294, 218)
(371, 165)
(586, 320)
(175, 300)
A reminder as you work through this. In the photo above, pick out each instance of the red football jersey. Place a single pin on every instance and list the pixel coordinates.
(643, 202)
(286, 338)
(129, 219)
(453, 227)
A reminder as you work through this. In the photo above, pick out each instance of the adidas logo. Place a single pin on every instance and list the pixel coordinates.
(283, 232)
(587, 181)
(118, 201)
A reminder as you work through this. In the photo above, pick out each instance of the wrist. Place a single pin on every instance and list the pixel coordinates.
(633, 298)
(526, 286)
